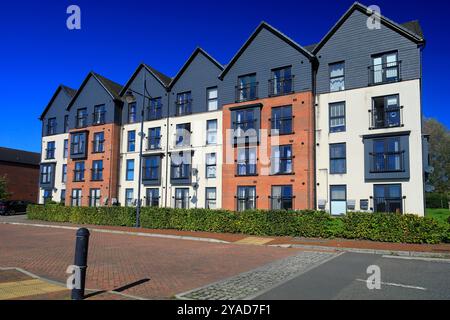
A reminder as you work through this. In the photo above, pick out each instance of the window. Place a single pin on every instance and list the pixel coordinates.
(183, 135)
(211, 163)
(281, 120)
(130, 170)
(338, 158)
(338, 200)
(247, 88)
(66, 149)
(99, 141)
(47, 196)
(151, 168)
(211, 132)
(79, 171)
(50, 150)
(246, 162)
(387, 155)
(78, 145)
(281, 160)
(81, 118)
(183, 103)
(152, 198)
(181, 166)
(385, 68)
(337, 117)
(76, 198)
(154, 111)
(63, 196)
(281, 82)
(388, 198)
(64, 173)
(99, 114)
(182, 198)
(132, 112)
(386, 112)
(246, 198)
(97, 170)
(337, 76)
(66, 123)
(212, 99)
(51, 126)
(94, 197)
(129, 197)
(46, 174)
(211, 198)
(245, 120)
(281, 198)
(131, 141)
(154, 138)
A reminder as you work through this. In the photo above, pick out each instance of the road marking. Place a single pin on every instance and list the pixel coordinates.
(397, 285)
(18, 289)
(419, 258)
(254, 241)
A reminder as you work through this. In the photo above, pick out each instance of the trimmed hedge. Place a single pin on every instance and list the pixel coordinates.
(312, 224)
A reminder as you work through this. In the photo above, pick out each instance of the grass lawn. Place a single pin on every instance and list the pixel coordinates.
(441, 215)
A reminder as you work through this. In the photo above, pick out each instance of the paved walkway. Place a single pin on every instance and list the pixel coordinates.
(148, 267)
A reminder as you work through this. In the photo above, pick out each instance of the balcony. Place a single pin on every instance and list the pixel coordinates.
(385, 73)
(98, 118)
(388, 205)
(78, 175)
(51, 130)
(281, 86)
(81, 122)
(246, 169)
(246, 203)
(98, 146)
(247, 92)
(387, 162)
(154, 143)
(96, 174)
(282, 126)
(282, 203)
(183, 107)
(386, 118)
(154, 112)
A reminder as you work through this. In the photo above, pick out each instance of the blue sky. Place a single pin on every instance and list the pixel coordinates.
(38, 52)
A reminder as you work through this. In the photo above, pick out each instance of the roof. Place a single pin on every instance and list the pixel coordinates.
(19, 156)
(159, 76)
(69, 91)
(110, 86)
(276, 32)
(197, 51)
(405, 29)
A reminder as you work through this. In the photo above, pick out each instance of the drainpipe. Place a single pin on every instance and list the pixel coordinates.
(167, 149)
(315, 66)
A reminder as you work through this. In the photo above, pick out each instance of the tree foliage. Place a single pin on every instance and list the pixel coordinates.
(3, 188)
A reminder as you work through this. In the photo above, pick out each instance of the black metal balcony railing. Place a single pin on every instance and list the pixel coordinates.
(78, 175)
(244, 125)
(281, 126)
(98, 146)
(180, 172)
(183, 107)
(386, 118)
(81, 121)
(388, 205)
(281, 86)
(246, 203)
(181, 202)
(150, 173)
(281, 203)
(385, 162)
(152, 201)
(98, 117)
(51, 129)
(154, 112)
(247, 92)
(282, 165)
(50, 153)
(96, 174)
(154, 143)
(385, 73)
(246, 168)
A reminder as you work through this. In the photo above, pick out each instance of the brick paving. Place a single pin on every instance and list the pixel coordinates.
(116, 260)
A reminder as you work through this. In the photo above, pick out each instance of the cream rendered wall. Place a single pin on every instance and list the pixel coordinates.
(59, 159)
(358, 103)
(198, 141)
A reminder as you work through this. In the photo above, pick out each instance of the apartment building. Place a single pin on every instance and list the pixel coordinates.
(369, 117)
(335, 126)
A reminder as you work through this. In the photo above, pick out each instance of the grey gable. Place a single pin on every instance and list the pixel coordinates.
(159, 76)
(61, 88)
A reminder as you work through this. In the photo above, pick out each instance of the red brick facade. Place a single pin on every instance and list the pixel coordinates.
(109, 186)
(22, 180)
(302, 141)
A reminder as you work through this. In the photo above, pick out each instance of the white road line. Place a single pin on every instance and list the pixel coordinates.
(397, 285)
(418, 258)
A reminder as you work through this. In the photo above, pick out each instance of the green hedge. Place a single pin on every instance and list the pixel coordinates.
(312, 224)
(437, 200)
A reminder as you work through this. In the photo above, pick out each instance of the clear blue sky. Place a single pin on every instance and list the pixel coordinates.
(38, 52)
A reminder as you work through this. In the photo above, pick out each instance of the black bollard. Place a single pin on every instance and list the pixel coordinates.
(81, 255)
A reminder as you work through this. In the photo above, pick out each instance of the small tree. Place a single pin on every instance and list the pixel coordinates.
(3, 188)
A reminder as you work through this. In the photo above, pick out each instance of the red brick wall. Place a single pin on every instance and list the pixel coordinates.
(23, 181)
(109, 186)
(302, 142)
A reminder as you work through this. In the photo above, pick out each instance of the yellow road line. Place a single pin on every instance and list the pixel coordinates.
(254, 241)
(18, 289)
